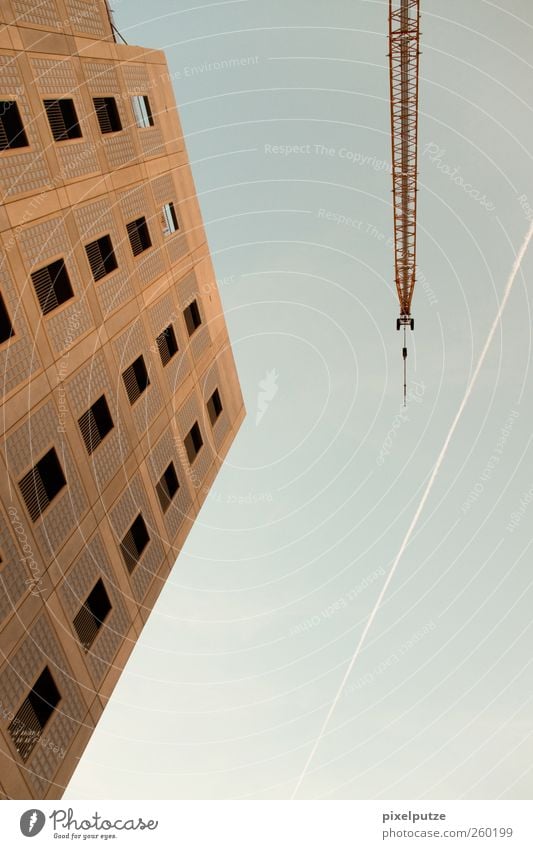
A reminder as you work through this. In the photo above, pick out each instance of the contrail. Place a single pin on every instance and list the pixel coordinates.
(407, 537)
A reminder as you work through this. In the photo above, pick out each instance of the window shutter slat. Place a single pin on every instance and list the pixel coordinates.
(34, 493)
(129, 551)
(55, 117)
(103, 115)
(96, 261)
(25, 729)
(52, 286)
(4, 141)
(163, 494)
(44, 288)
(89, 431)
(131, 384)
(164, 352)
(135, 239)
(86, 627)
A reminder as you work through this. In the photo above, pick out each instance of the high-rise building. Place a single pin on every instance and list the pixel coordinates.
(120, 394)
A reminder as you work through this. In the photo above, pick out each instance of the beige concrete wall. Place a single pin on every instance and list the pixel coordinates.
(57, 197)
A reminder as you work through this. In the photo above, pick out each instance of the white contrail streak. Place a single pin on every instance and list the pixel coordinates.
(407, 537)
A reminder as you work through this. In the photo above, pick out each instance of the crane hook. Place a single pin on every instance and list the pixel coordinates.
(404, 354)
(404, 321)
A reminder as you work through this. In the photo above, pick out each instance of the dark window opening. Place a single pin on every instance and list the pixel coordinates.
(63, 119)
(136, 379)
(142, 110)
(134, 543)
(12, 132)
(95, 424)
(167, 487)
(107, 114)
(52, 286)
(170, 219)
(91, 616)
(193, 442)
(192, 317)
(167, 344)
(6, 328)
(101, 257)
(28, 723)
(139, 236)
(41, 484)
(214, 406)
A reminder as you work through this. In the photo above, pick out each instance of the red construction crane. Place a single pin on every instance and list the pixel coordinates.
(404, 53)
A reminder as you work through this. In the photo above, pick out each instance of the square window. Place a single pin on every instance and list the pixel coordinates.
(139, 236)
(91, 616)
(28, 723)
(167, 344)
(193, 442)
(134, 543)
(95, 424)
(41, 484)
(214, 406)
(63, 119)
(12, 132)
(142, 110)
(167, 487)
(6, 328)
(170, 219)
(107, 114)
(101, 257)
(192, 317)
(136, 379)
(52, 286)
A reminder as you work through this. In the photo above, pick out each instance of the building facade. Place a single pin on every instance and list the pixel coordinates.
(120, 394)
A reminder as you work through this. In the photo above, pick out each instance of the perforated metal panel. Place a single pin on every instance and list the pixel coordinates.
(94, 563)
(41, 648)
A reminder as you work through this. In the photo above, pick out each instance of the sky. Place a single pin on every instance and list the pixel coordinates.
(285, 112)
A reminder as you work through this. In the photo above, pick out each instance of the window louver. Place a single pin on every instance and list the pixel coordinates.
(62, 119)
(193, 442)
(135, 239)
(41, 484)
(91, 615)
(86, 627)
(101, 257)
(139, 236)
(132, 387)
(103, 115)
(55, 117)
(25, 729)
(214, 406)
(35, 711)
(95, 424)
(192, 317)
(136, 379)
(167, 344)
(34, 493)
(52, 286)
(134, 543)
(107, 114)
(89, 431)
(167, 487)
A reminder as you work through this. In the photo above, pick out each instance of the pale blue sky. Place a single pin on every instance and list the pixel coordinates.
(228, 687)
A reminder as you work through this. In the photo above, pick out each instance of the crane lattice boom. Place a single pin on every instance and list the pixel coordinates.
(404, 41)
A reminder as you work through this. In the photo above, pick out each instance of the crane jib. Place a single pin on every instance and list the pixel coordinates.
(404, 52)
